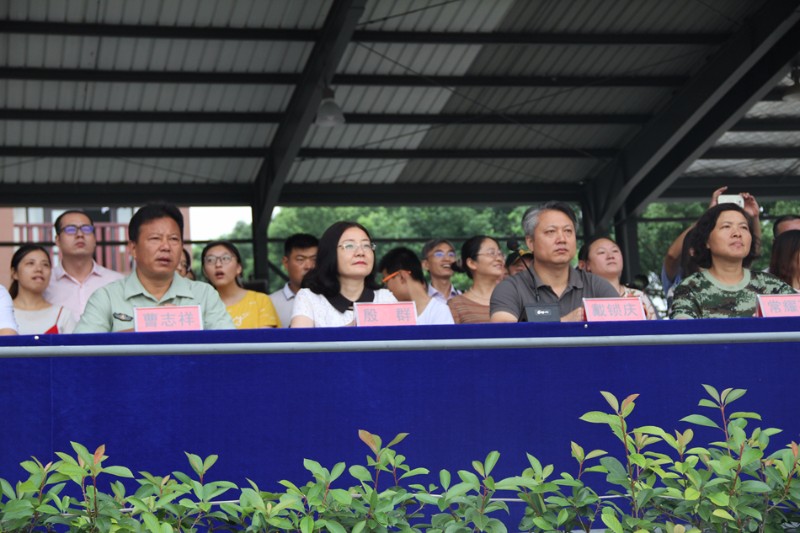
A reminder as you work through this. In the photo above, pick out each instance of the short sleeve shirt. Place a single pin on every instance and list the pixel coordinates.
(283, 300)
(253, 311)
(435, 312)
(515, 292)
(701, 295)
(111, 308)
(71, 293)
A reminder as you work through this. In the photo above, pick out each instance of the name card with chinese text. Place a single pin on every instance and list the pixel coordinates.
(774, 305)
(168, 318)
(613, 309)
(390, 314)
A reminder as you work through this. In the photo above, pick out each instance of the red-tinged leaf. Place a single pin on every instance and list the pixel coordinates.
(81, 462)
(368, 439)
(628, 400)
(165, 480)
(794, 449)
(48, 465)
(98, 453)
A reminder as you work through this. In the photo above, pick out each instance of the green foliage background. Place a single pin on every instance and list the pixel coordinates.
(412, 226)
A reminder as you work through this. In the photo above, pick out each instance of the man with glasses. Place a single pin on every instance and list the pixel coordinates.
(299, 256)
(550, 235)
(155, 235)
(77, 275)
(438, 258)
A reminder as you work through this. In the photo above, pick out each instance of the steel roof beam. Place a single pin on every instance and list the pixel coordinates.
(699, 188)
(122, 194)
(352, 118)
(363, 80)
(26, 27)
(307, 153)
(615, 183)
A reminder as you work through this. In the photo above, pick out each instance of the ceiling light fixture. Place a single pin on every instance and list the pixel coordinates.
(329, 113)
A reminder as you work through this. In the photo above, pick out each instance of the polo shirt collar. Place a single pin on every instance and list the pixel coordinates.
(59, 272)
(575, 279)
(287, 292)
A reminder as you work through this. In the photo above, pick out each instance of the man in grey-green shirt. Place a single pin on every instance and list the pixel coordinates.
(156, 242)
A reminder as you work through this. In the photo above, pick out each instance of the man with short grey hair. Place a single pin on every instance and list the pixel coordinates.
(550, 235)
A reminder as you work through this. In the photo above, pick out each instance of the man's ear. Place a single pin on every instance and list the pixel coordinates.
(285, 263)
(132, 249)
(425, 266)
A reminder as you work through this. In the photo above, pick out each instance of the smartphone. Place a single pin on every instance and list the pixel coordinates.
(731, 199)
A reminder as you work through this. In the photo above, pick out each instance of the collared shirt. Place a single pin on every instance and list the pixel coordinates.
(111, 308)
(283, 300)
(515, 292)
(64, 290)
(434, 293)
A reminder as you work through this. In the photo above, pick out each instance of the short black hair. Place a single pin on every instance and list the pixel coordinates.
(433, 243)
(402, 259)
(299, 241)
(153, 211)
(583, 253)
(324, 277)
(780, 220)
(706, 224)
(16, 259)
(57, 223)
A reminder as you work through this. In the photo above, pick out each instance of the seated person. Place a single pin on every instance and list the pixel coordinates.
(155, 235)
(724, 246)
(601, 256)
(299, 256)
(518, 261)
(438, 258)
(222, 267)
(785, 223)
(402, 274)
(550, 235)
(344, 274)
(30, 272)
(185, 266)
(482, 260)
(8, 325)
(785, 261)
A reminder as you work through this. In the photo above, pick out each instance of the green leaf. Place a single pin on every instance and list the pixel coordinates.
(733, 395)
(691, 494)
(753, 485)
(611, 522)
(712, 392)
(151, 523)
(195, 462)
(745, 414)
(478, 466)
(700, 420)
(722, 513)
(563, 516)
(334, 527)
(705, 402)
(749, 511)
(444, 479)
(209, 462)
(491, 460)
(595, 453)
(359, 527)
(336, 471)
(415, 472)
(307, 524)
(719, 498)
(397, 439)
(597, 417)
(612, 401)
(119, 471)
(751, 455)
(360, 473)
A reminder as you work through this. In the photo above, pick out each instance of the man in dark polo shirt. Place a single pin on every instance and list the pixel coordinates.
(550, 235)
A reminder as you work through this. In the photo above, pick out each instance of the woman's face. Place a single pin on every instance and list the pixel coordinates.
(605, 259)
(355, 257)
(33, 272)
(489, 261)
(730, 239)
(221, 267)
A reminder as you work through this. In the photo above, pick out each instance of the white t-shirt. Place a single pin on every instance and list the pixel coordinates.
(39, 321)
(318, 308)
(436, 312)
(6, 311)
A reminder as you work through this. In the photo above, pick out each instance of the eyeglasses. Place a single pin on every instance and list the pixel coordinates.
(492, 253)
(351, 246)
(392, 275)
(212, 259)
(72, 229)
(438, 254)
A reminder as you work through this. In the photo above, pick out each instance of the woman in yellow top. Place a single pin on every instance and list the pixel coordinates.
(222, 267)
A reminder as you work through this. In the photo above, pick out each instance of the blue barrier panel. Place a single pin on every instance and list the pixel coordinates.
(264, 412)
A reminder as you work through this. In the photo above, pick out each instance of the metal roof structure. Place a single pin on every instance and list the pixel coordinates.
(610, 103)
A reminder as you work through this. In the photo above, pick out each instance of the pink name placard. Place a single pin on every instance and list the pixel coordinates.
(774, 305)
(168, 318)
(613, 309)
(390, 314)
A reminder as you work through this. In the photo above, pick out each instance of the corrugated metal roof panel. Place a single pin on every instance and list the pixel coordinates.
(460, 172)
(423, 15)
(775, 138)
(774, 109)
(360, 99)
(345, 171)
(408, 59)
(366, 136)
(743, 167)
(512, 136)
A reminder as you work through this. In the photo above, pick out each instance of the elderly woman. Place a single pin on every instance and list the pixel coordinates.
(484, 263)
(785, 260)
(602, 257)
(344, 274)
(724, 246)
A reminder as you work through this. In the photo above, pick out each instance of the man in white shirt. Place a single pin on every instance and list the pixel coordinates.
(77, 275)
(402, 274)
(299, 256)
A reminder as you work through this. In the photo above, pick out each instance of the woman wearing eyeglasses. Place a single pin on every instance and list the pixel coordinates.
(344, 274)
(30, 272)
(222, 267)
(484, 262)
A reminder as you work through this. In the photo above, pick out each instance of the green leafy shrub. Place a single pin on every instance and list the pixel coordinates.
(662, 482)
